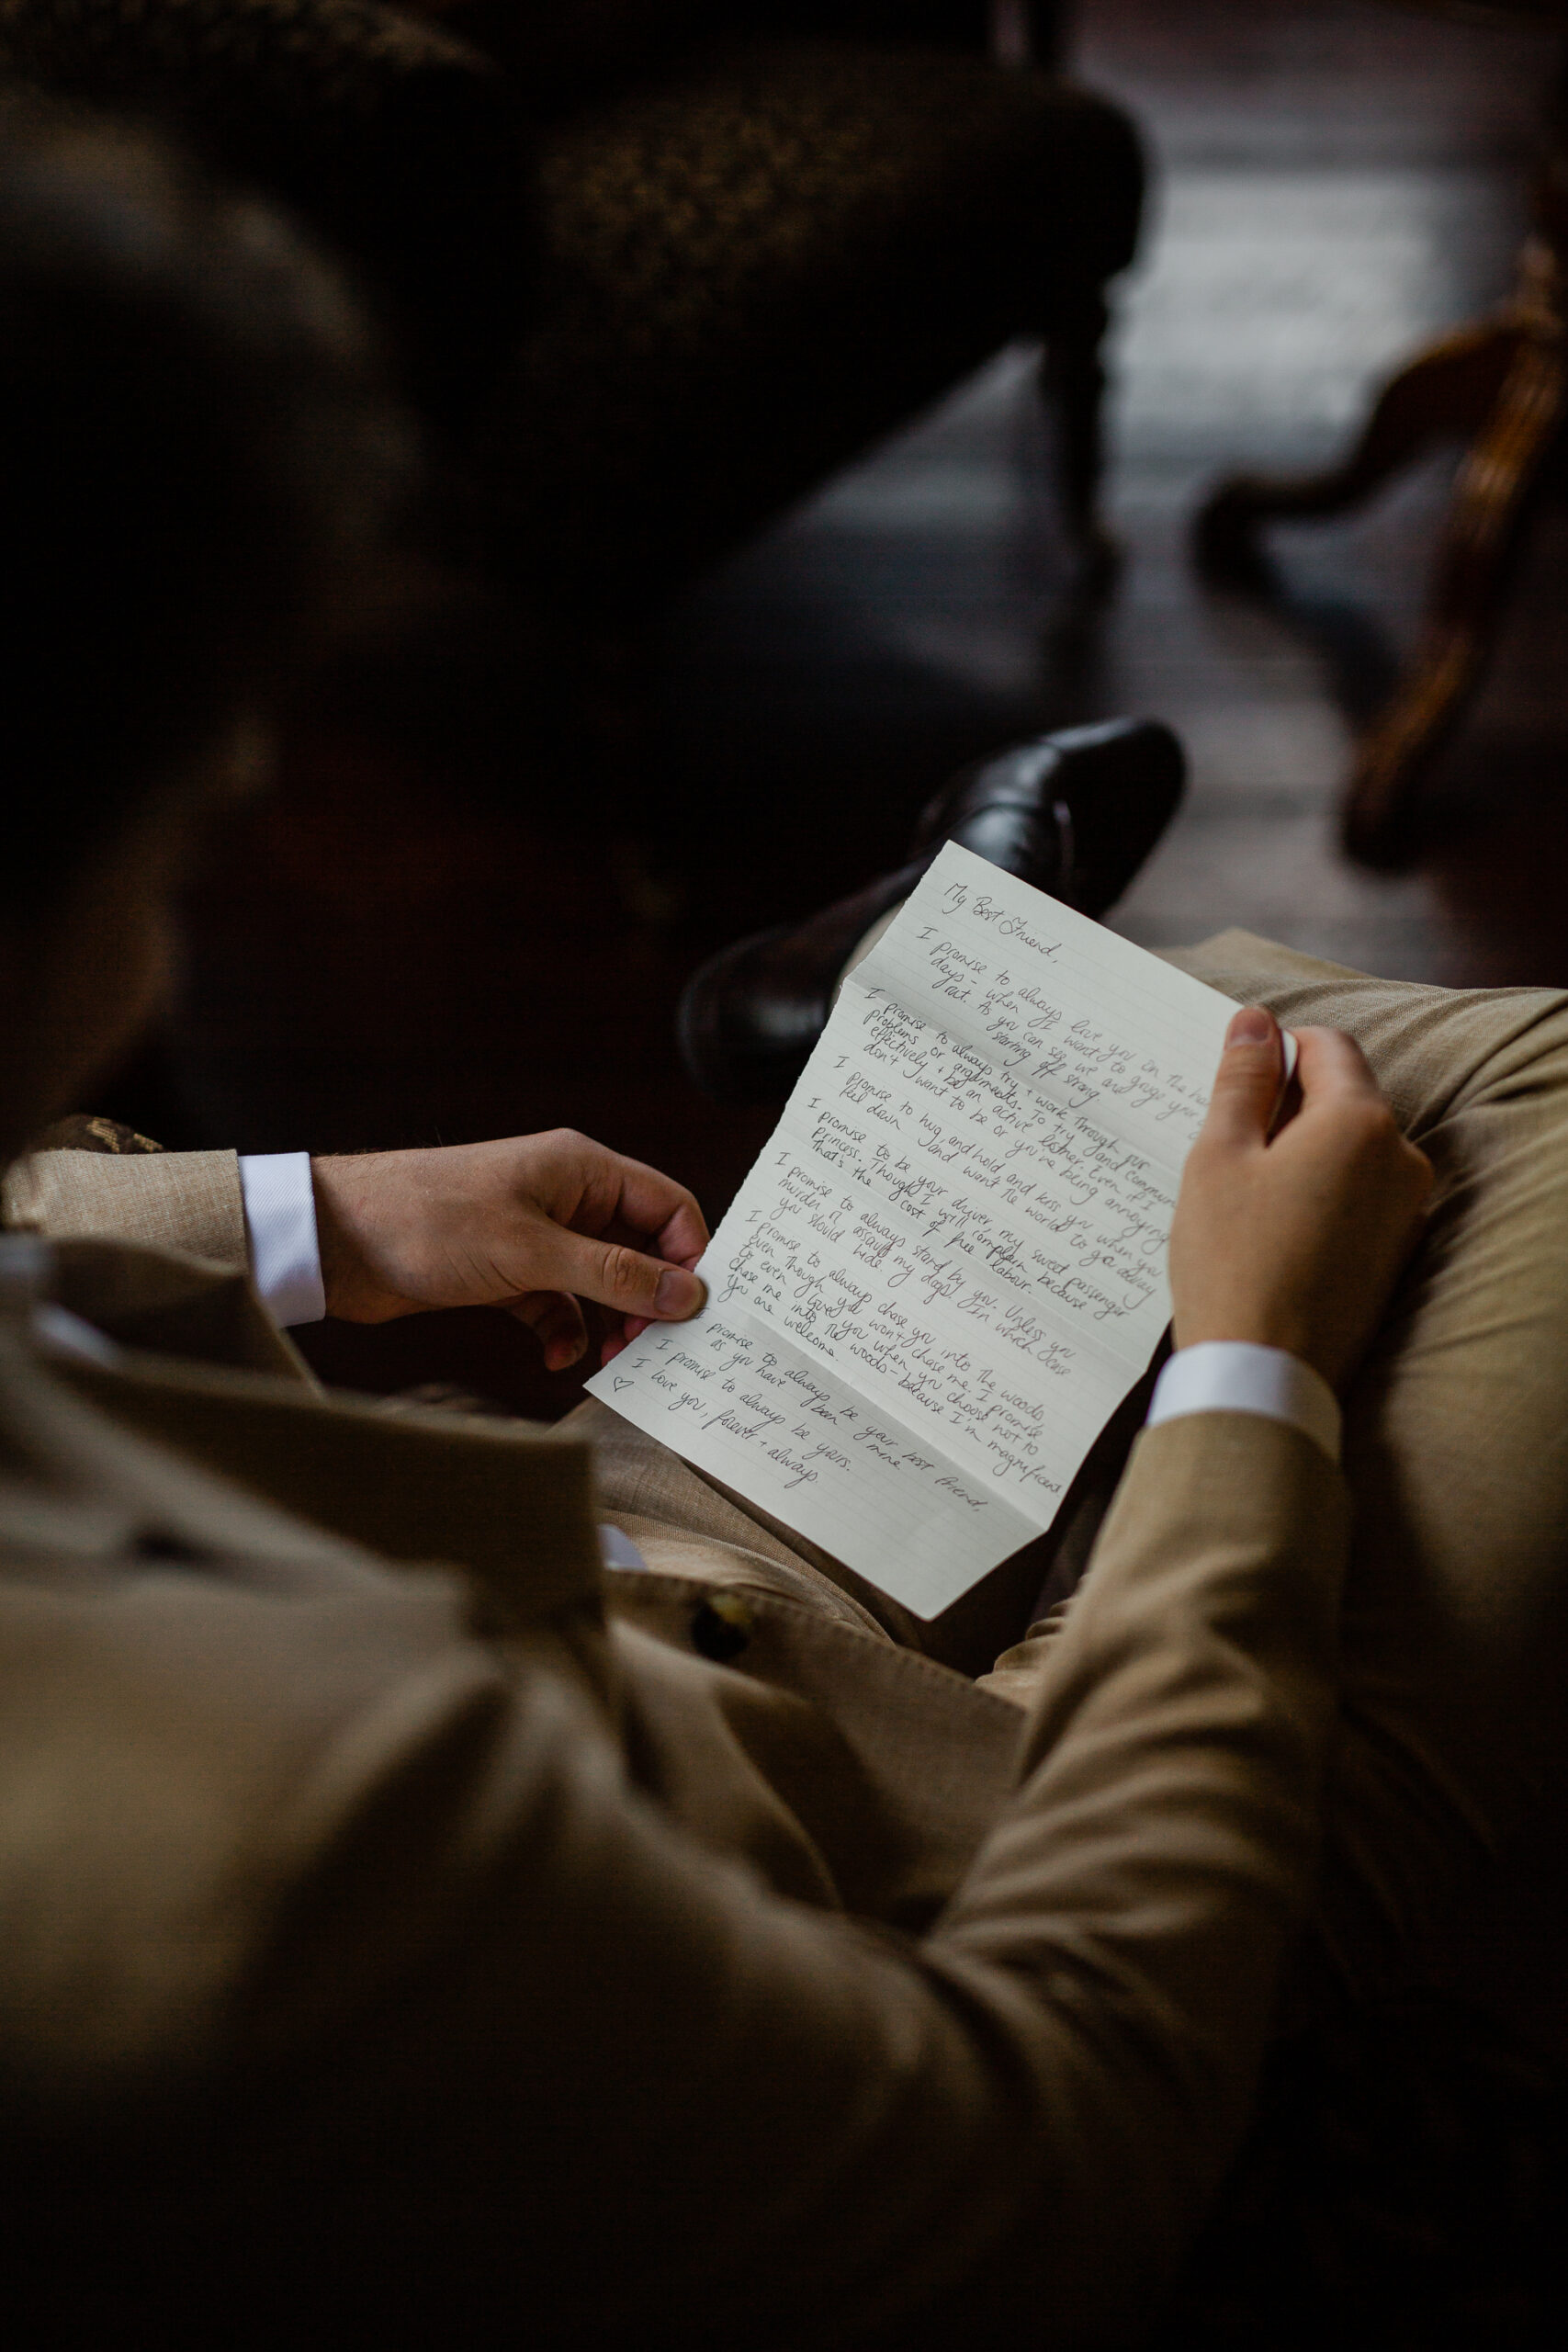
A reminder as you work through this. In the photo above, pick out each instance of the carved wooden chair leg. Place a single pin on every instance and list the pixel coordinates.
(1072, 380)
(1446, 393)
(1380, 820)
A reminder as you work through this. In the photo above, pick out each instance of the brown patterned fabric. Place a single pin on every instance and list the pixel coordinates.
(752, 264)
(757, 266)
(86, 1131)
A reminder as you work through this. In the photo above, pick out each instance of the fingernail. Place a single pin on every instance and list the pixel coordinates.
(1251, 1026)
(679, 1293)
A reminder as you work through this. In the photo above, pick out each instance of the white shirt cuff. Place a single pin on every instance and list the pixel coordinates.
(1234, 1376)
(280, 1217)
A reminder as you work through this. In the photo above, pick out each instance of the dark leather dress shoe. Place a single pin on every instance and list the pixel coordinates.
(1075, 813)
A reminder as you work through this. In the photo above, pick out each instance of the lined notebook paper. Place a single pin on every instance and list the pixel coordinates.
(947, 1267)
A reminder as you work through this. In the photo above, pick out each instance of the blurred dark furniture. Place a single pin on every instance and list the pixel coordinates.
(655, 267)
(1500, 389)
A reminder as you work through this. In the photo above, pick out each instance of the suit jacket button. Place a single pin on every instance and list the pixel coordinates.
(721, 1626)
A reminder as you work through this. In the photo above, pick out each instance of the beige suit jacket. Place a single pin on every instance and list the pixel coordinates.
(403, 1921)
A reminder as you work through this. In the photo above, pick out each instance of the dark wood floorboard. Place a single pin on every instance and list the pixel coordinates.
(393, 952)
(1340, 182)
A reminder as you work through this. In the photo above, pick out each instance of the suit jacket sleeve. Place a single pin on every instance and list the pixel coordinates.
(641, 2084)
(162, 1199)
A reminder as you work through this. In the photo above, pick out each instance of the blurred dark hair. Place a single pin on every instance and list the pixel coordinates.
(197, 460)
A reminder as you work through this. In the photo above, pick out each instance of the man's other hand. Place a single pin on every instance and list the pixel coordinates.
(1294, 1241)
(535, 1225)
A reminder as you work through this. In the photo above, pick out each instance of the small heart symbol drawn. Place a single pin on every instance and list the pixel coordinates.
(621, 1384)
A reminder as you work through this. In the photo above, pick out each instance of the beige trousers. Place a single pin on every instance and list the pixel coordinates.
(1445, 1856)
(1445, 1847)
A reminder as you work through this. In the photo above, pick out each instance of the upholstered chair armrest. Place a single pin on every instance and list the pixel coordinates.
(399, 141)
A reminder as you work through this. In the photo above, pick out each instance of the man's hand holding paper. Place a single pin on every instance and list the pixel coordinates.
(535, 1224)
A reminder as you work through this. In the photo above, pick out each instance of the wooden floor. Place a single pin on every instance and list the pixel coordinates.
(1340, 182)
(387, 955)
(1334, 183)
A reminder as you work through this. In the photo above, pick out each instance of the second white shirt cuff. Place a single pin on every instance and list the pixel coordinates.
(280, 1216)
(1234, 1376)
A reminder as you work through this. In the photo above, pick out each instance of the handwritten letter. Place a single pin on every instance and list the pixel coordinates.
(948, 1266)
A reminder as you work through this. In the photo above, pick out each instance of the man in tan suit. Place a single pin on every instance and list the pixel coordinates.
(415, 1930)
